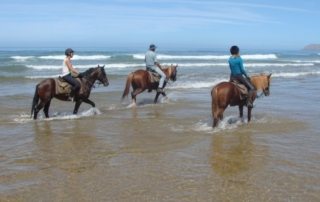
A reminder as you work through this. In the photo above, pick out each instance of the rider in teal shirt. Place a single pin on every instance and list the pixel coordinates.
(239, 74)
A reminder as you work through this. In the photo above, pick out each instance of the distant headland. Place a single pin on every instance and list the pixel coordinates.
(312, 47)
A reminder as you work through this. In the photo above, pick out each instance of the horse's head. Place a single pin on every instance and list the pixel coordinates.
(262, 82)
(172, 72)
(102, 76)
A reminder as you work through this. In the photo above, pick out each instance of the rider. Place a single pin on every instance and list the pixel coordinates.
(152, 64)
(239, 74)
(69, 73)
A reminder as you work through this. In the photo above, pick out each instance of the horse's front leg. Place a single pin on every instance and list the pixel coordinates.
(241, 111)
(249, 113)
(156, 98)
(76, 106)
(89, 102)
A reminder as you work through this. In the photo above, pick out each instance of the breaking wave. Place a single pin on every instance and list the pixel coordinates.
(61, 57)
(207, 57)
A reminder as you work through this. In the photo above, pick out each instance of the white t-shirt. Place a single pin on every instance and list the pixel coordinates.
(150, 58)
(65, 69)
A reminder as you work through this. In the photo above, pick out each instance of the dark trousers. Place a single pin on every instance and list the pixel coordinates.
(73, 82)
(242, 80)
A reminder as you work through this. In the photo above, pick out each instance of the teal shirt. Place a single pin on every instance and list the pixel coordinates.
(236, 66)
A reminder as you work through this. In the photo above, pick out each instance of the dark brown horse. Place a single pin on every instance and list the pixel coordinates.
(227, 93)
(46, 90)
(140, 81)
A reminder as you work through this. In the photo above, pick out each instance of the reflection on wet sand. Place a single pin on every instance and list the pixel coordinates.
(64, 155)
(239, 162)
(232, 154)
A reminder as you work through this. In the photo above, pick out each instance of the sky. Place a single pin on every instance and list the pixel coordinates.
(170, 24)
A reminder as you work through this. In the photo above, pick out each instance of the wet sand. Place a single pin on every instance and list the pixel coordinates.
(163, 152)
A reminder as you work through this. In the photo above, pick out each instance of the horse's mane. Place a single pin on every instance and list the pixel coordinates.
(88, 72)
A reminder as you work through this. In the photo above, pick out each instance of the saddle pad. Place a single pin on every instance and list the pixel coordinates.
(154, 77)
(62, 87)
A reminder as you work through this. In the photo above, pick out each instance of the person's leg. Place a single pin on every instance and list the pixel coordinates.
(162, 76)
(68, 78)
(250, 88)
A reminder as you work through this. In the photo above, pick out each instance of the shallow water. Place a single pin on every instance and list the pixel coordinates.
(162, 152)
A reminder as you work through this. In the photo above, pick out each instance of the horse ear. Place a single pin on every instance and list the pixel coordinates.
(102, 66)
(98, 65)
(269, 75)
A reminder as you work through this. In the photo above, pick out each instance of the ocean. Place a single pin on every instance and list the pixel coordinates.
(166, 151)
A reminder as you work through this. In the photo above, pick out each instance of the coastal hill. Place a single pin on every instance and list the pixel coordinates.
(312, 47)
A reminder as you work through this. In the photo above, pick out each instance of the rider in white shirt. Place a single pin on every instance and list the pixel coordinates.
(69, 72)
(152, 64)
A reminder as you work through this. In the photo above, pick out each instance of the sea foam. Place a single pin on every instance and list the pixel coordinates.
(21, 58)
(295, 74)
(109, 66)
(195, 85)
(76, 57)
(207, 57)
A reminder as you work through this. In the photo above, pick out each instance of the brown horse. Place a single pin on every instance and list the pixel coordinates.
(46, 90)
(227, 93)
(140, 81)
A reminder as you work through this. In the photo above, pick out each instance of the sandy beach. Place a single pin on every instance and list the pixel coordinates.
(162, 152)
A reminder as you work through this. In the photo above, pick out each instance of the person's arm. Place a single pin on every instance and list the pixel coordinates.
(158, 64)
(70, 67)
(156, 61)
(243, 71)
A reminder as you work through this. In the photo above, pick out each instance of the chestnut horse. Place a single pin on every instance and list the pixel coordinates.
(227, 93)
(140, 81)
(46, 90)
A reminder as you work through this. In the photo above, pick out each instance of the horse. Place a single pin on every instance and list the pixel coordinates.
(140, 81)
(47, 89)
(227, 93)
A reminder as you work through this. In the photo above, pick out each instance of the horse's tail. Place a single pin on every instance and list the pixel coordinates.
(127, 88)
(35, 100)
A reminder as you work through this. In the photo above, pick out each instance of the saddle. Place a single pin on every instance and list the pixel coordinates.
(154, 76)
(242, 89)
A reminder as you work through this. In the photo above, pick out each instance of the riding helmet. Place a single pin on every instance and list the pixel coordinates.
(68, 51)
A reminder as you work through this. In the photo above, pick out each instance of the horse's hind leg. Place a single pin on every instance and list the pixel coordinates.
(46, 109)
(135, 93)
(241, 111)
(88, 101)
(37, 109)
(217, 115)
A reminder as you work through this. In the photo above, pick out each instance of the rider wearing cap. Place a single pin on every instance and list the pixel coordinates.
(239, 74)
(69, 72)
(152, 64)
